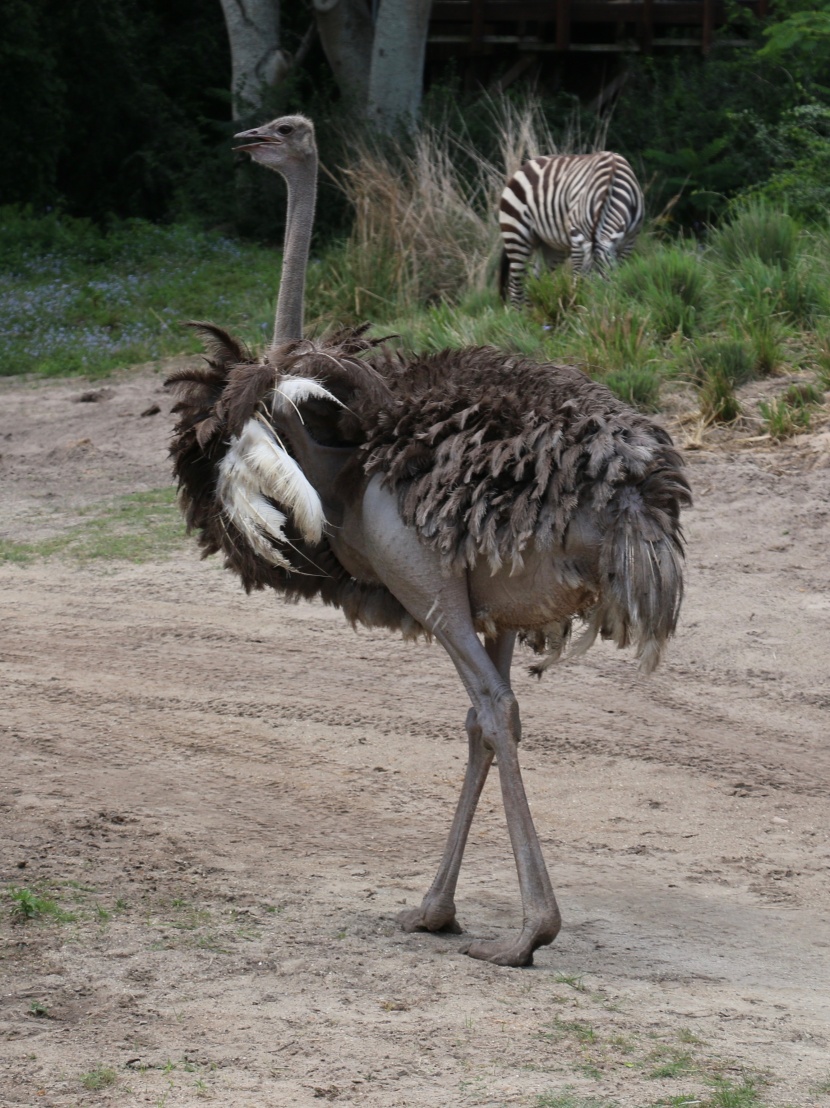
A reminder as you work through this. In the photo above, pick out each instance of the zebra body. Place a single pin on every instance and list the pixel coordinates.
(588, 207)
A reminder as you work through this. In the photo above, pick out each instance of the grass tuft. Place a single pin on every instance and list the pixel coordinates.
(28, 906)
(758, 229)
(673, 284)
(99, 1078)
(76, 299)
(792, 412)
(720, 365)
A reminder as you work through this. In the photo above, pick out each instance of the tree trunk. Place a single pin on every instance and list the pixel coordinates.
(345, 29)
(397, 71)
(256, 59)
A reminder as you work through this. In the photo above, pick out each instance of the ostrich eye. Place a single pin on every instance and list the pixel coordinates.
(285, 129)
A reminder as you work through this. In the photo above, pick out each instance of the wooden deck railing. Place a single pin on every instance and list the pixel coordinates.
(484, 26)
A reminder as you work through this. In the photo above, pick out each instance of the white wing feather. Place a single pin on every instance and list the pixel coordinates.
(291, 391)
(248, 510)
(282, 479)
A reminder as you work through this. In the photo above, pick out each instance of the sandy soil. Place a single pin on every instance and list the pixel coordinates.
(233, 798)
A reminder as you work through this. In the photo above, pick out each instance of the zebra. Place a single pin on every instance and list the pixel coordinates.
(588, 206)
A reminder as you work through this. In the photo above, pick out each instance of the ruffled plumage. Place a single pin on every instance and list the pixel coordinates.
(487, 454)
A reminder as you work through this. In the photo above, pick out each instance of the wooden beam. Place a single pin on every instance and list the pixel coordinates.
(563, 29)
(477, 36)
(647, 33)
(708, 25)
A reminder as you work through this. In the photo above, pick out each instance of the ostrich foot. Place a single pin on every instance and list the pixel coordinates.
(517, 951)
(430, 916)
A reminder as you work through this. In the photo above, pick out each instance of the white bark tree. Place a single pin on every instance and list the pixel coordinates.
(257, 62)
(375, 48)
(346, 32)
(377, 55)
(396, 77)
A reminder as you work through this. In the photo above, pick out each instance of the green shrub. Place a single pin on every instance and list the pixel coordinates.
(720, 365)
(672, 284)
(729, 358)
(756, 229)
(556, 294)
(766, 338)
(761, 289)
(791, 412)
(611, 336)
(638, 386)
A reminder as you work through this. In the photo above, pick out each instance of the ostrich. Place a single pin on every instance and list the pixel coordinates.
(469, 496)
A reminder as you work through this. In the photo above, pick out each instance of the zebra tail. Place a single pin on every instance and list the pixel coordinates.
(504, 275)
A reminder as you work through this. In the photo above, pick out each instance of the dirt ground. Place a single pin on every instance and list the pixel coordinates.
(229, 800)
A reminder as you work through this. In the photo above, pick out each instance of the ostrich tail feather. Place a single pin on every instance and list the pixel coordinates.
(641, 566)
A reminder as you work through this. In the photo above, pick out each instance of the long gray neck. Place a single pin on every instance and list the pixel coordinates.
(302, 194)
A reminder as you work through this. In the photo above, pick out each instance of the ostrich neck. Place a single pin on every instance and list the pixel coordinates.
(302, 190)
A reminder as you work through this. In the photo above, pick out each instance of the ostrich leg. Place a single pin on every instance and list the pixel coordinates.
(437, 910)
(412, 572)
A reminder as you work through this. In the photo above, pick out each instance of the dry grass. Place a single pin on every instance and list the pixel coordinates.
(425, 228)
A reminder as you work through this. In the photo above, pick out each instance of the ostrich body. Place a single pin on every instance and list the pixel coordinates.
(471, 496)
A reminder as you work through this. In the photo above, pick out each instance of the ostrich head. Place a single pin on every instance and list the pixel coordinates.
(287, 146)
(282, 145)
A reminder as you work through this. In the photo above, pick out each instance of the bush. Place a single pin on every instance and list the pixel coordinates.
(792, 412)
(720, 365)
(760, 290)
(637, 386)
(673, 285)
(555, 295)
(756, 229)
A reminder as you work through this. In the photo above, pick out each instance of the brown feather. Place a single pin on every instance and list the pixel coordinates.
(486, 452)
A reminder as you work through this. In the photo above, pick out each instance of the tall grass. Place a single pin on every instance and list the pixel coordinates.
(420, 261)
(425, 227)
(422, 233)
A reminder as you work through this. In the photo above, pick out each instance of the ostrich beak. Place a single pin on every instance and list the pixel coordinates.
(255, 138)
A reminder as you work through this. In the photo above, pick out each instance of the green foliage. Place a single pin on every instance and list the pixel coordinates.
(759, 291)
(613, 336)
(78, 299)
(116, 104)
(569, 1099)
(27, 905)
(792, 412)
(555, 295)
(99, 1078)
(799, 156)
(822, 359)
(673, 284)
(756, 229)
(800, 40)
(767, 339)
(480, 320)
(720, 365)
(676, 1064)
(636, 385)
(727, 1095)
(685, 124)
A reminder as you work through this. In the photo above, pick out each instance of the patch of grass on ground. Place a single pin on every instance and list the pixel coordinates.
(76, 299)
(99, 1078)
(28, 905)
(140, 527)
(791, 412)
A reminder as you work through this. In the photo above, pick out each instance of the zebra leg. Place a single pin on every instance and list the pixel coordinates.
(581, 251)
(517, 269)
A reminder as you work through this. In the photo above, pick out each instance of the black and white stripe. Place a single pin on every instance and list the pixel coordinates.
(588, 207)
